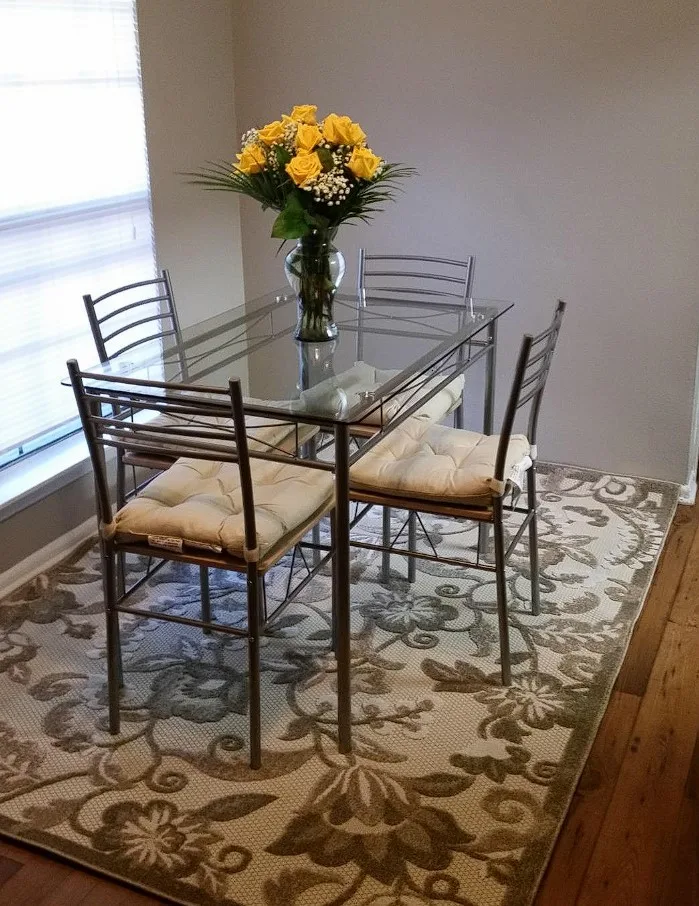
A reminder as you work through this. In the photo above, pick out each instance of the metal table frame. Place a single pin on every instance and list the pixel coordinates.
(453, 356)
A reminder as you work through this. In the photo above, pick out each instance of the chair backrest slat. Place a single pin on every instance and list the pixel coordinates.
(142, 341)
(130, 326)
(159, 294)
(148, 301)
(120, 412)
(424, 272)
(427, 275)
(528, 388)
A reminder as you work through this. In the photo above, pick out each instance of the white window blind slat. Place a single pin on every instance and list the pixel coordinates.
(75, 211)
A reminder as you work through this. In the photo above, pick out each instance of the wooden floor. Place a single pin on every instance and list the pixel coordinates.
(631, 837)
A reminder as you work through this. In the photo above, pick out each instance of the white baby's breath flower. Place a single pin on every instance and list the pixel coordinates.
(250, 137)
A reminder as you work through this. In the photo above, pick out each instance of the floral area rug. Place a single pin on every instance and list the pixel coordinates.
(456, 787)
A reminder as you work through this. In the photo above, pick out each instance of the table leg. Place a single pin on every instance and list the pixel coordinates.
(459, 411)
(489, 402)
(310, 451)
(341, 604)
(488, 414)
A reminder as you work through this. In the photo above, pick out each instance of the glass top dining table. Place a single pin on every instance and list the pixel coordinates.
(388, 351)
(384, 347)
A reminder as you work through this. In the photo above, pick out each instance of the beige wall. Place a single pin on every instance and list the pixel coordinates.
(187, 73)
(557, 142)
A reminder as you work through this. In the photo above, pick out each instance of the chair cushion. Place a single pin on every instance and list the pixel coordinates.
(433, 410)
(199, 504)
(435, 462)
(264, 434)
(341, 392)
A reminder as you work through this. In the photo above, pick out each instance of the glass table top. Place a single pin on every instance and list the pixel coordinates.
(380, 347)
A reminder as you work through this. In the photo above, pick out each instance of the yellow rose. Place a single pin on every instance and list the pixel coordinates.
(304, 167)
(363, 163)
(340, 130)
(251, 159)
(355, 134)
(304, 113)
(272, 132)
(307, 137)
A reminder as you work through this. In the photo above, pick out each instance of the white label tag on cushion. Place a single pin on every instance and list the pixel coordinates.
(203, 545)
(166, 542)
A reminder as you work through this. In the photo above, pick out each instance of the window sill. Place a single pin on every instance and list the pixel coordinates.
(25, 483)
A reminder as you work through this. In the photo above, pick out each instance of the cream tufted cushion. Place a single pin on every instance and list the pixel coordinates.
(340, 392)
(199, 504)
(263, 433)
(435, 462)
(433, 410)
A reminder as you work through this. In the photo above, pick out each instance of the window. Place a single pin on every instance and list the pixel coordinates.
(74, 198)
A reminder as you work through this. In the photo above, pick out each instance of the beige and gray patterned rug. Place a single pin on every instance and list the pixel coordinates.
(457, 786)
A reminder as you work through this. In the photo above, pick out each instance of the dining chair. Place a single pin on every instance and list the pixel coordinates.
(127, 319)
(426, 279)
(452, 472)
(218, 506)
(131, 316)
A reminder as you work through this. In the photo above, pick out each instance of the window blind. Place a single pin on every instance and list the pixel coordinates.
(75, 212)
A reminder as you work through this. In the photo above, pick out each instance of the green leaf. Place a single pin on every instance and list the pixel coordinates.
(326, 158)
(293, 221)
(283, 156)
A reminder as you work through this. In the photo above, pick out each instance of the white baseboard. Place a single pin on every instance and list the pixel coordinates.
(48, 556)
(688, 492)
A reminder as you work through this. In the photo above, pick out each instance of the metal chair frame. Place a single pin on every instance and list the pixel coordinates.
(450, 280)
(167, 315)
(105, 416)
(530, 376)
(169, 324)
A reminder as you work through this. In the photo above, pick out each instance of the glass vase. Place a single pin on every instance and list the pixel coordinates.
(314, 269)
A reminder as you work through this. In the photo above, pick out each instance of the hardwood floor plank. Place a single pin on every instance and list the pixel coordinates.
(108, 893)
(72, 891)
(576, 841)
(681, 887)
(692, 785)
(685, 609)
(629, 860)
(35, 880)
(14, 852)
(638, 663)
(8, 867)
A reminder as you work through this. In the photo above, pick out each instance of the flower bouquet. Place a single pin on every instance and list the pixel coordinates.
(317, 175)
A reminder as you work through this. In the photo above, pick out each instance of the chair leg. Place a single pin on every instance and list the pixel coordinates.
(385, 555)
(333, 613)
(205, 597)
(501, 590)
(483, 538)
(315, 538)
(412, 544)
(120, 501)
(114, 669)
(254, 582)
(533, 540)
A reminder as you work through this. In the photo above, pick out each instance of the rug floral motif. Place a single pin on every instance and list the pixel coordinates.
(456, 787)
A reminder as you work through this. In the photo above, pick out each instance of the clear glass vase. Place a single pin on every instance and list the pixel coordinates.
(314, 269)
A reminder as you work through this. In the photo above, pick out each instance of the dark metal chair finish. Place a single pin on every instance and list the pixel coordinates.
(412, 276)
(102, 412)
(531, 372)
